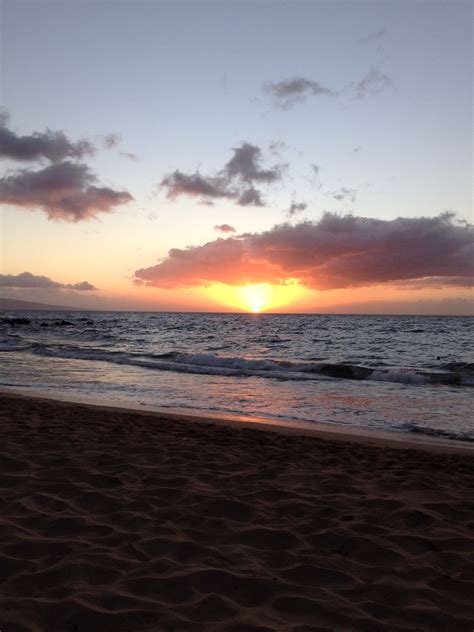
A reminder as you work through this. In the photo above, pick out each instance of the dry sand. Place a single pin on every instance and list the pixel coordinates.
(115, 521)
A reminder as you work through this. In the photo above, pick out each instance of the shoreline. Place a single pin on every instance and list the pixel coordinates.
(327, 432)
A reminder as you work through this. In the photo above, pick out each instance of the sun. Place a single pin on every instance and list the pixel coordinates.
(255, 297)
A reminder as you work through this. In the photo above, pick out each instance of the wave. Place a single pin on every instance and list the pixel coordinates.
(438, 432)
(212, 364)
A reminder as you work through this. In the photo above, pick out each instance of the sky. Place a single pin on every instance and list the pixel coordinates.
(228, 156)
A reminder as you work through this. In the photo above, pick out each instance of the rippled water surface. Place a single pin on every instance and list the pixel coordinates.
(399, 373)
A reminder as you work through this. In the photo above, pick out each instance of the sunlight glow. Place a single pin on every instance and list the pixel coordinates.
(256, 297)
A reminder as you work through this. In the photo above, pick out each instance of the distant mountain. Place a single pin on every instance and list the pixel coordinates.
(15, 305)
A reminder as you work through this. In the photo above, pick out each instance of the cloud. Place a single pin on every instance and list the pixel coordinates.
(129, 155)
(224, 228)
(373, 37)
(344, 193)
(245, 164)
(195, 185)
(371, 84)
(335, 252)
(232, 182)
(438, 282)
(289, 92)
(53, 146)
(26, 280)
(296, 208)
(250, 197)
(111, 140)
(64, 191)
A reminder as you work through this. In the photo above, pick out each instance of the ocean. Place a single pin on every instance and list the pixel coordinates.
(401, 374)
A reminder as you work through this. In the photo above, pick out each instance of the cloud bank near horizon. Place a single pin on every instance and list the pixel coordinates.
(334, 253)
(27, 280)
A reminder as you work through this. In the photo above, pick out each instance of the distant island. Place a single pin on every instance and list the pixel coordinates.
(13, 304)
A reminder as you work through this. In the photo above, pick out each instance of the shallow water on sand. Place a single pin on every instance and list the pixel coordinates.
(408, 374)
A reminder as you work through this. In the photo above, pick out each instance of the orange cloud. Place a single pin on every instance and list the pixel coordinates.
(336, 252)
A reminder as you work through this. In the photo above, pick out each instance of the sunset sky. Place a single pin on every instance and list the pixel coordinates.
(278, 156)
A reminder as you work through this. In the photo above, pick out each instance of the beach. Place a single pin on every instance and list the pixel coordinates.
(116, 520)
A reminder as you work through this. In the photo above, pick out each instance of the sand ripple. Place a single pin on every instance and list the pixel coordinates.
(116, 522)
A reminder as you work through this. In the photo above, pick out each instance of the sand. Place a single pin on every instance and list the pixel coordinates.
(113, 520)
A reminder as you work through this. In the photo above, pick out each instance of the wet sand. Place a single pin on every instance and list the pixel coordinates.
(113, 520)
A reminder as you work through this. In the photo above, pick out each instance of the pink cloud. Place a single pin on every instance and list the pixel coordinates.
(224, 228)
(335, 252)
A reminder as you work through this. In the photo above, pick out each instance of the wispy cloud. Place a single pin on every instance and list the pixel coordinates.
(27, 280)
(296, 90)
(129, 155)
(289, 92)
(335, 252)
(371, 84)
(110, 141)
(296, 208)
(374, 36)
(344, 193)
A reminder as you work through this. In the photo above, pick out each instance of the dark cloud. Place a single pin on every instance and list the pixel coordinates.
(49, 145)
(64, 191)
(231, 182)
(296, 208)
(250, 197)
(26, 280)
(335, 252)
(224, 228)
(194, 184)
(245, 164)
(373, 83)
(289, 92)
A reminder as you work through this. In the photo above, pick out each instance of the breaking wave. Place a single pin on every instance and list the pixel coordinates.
(454, 374)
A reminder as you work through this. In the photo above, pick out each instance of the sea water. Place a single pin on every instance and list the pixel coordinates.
(405, 374)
